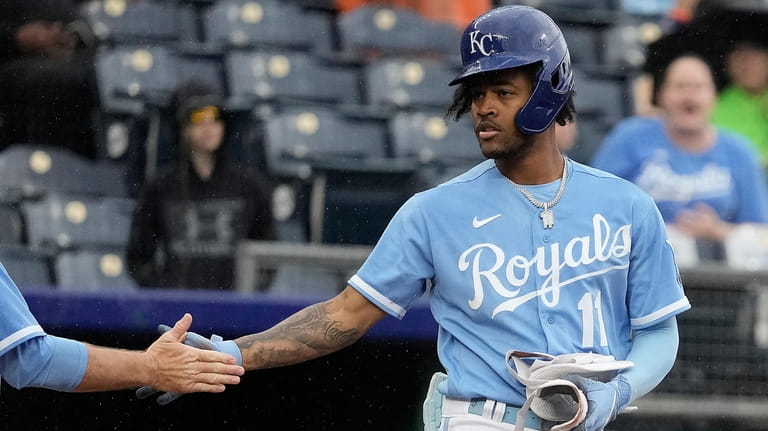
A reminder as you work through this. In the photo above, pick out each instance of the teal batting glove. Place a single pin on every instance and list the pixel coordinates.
(197, 341)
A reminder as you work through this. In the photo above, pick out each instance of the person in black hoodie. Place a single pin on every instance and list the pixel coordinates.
(190, 217)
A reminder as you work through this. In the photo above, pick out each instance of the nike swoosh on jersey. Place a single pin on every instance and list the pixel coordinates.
(480, 223)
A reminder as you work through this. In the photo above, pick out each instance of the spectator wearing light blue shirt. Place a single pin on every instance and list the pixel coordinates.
(704, 180)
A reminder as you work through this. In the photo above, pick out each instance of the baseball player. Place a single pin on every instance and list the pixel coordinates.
(31, 358)
(527, 251)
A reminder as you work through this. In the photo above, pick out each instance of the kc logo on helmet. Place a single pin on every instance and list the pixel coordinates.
(478, 44)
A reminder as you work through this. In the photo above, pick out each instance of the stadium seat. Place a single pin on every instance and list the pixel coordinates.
(290, 206)
(299, 139)
(129, 21)
(206, 68)
(266, 23)
(625, 43)
(306, 280)
(601, 94)
(92, 270)
(583, 42)
(29, 171)
(440, 147)
(409, 83)
(372, 31)
(130, 77)
(64, 221)
(353, 207)
(592, 129)
(265, 76)
(27, 267)
(11, 223)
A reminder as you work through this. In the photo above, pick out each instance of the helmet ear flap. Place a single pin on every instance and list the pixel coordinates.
(550, 94)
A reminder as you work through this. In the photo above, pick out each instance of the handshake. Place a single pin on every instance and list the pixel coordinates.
(195, 340)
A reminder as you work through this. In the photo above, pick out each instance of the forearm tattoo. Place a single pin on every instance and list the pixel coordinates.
(306, 335)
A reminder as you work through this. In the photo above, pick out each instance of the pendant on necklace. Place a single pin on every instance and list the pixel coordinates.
(547, 217)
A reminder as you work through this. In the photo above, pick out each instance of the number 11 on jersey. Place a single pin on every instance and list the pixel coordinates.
(591, 307)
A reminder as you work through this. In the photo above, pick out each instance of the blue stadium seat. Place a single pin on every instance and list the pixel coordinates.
(601, 94)
(27, 267)
(584, 42)
(440, 146)
(299, 139)
(92, 269)
(27, 170)
(128, 21)
(303, 280)
(624, 43)
(353, 206)
(591, 130)
(373, 30)
(409, 83)
(130, 77)
(266, 23)
(11, 223)
(259, 76)
(64, 221)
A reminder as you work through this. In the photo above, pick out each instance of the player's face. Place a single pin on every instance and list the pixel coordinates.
(688, 95)
(496, 99)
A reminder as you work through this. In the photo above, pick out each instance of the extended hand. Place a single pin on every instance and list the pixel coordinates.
(604, 400)
(197, 365)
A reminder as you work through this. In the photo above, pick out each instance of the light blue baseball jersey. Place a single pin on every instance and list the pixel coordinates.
(17, 324)
(728, 177)
(29, 357)
(498, 280)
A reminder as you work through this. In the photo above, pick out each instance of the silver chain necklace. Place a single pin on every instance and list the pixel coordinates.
(547, 217)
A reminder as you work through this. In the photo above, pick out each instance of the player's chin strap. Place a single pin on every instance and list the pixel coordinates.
(552, 398)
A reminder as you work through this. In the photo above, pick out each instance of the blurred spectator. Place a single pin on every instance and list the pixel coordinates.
(46, 79)
(703, 179)
(743, 105)
(673, 24)
(189, 218)
(457, 12)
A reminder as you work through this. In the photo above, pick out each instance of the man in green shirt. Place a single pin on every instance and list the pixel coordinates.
(743, 104)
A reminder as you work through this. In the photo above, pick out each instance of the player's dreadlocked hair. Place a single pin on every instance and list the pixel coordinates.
(462, 98)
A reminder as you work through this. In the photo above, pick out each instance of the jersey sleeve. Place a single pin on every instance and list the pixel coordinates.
(17, 324)
(655, 290)
(399, 268)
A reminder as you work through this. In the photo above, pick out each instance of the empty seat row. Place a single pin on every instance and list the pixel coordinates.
(239, 23)
(88, 269)
(300, 138)
(131, 77)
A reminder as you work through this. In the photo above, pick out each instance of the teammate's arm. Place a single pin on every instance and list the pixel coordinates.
(167, 365)
(316, 330)
(68, 365)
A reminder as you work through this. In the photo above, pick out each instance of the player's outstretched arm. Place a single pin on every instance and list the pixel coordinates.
(312, 332)
(167, 365)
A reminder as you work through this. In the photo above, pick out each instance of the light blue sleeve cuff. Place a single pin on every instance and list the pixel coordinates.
(231, 348)
(66, 367)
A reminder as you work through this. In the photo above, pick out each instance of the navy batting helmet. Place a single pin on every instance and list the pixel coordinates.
(513, 36)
